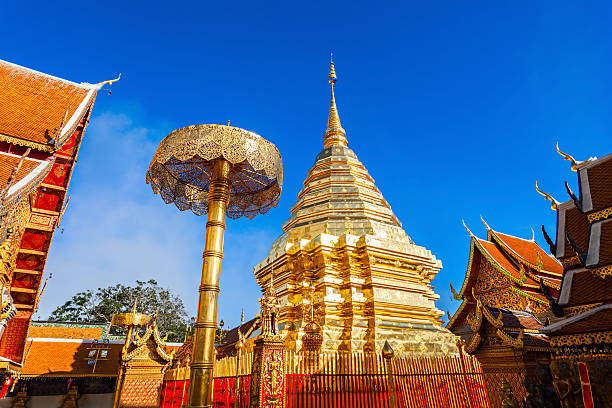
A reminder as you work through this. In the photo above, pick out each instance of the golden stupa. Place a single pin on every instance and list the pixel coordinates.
(345, 251)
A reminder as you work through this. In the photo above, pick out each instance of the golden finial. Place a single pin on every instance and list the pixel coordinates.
(334, 134)
(540, 264)
(554, 204)
(454, 292)
(566, 156)
(134, 307)
(332, 72)
(242, 317)
(485, 223)
(468, 230)
(110, 81)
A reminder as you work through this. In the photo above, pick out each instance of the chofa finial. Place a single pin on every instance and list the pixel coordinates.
(485, 223)
(566, 156)
(554, 204)
(110, 81)
(466, 227)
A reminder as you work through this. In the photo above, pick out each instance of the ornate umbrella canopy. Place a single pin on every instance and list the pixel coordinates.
(181, 169)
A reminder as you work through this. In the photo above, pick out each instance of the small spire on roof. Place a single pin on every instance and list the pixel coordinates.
(532, 235)
(334, 134)
(485, 223)
(468, 230)
(554, 204)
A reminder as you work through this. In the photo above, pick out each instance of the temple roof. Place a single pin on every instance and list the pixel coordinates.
(517, 259)
(515, 328)
(528, 252)
(67, 330)
(517, 319)
(8, 163)
(501, 251)
(33, 105)
(68, 358)
(584, 233)
(599, 317)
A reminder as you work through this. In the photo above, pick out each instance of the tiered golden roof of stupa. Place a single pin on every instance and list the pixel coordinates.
(371, 281)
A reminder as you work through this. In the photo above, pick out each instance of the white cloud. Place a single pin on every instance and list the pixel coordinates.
(117, 230)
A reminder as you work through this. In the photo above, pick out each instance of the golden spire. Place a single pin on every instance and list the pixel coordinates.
(334, 134)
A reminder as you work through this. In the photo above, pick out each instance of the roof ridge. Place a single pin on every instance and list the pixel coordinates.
(84, 85)
(514, 236)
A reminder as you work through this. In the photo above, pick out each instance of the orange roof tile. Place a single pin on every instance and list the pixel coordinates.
(65, 359)
(8, 163)
(64, 332)
(33, 104)
(499, 257)
(528, 251)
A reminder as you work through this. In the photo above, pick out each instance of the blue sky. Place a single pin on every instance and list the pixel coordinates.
(454, 108)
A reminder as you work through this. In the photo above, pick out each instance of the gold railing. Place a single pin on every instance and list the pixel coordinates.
(227, 366)
(340, 379)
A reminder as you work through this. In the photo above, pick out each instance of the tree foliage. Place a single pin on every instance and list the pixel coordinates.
(102, 304)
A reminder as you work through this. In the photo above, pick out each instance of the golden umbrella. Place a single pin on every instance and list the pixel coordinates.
(220, 171)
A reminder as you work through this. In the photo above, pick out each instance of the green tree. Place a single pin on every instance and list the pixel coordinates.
(102, 304)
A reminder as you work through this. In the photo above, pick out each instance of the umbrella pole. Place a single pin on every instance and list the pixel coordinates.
(200, 382)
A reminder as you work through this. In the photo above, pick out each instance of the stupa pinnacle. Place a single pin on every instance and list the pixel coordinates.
(334, 134)
(371, 282)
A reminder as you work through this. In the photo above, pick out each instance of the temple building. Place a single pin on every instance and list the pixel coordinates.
(64, 363)
(42, 122)
(581, 339)
(503, 307)
(542, 323)
(344, 252)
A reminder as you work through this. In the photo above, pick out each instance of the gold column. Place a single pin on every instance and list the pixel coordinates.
(200, 381)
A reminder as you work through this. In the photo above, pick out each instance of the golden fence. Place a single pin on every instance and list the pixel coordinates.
(325, 380)
(227, 366)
